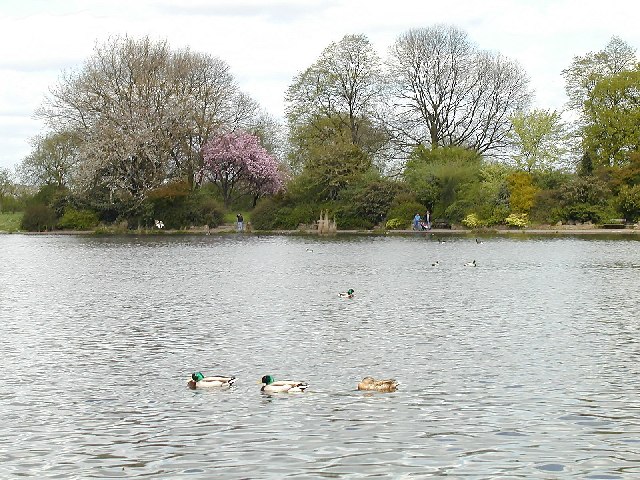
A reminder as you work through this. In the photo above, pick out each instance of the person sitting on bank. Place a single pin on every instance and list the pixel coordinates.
(416, 222)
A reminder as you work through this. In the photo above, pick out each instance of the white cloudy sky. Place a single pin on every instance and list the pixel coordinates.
(266, 42)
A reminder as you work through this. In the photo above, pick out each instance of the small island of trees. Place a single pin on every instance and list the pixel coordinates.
(142, 132)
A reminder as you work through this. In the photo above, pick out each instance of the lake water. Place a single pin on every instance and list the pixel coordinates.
(527, 366)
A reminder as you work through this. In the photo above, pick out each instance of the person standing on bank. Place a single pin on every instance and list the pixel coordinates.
(240, 222)
(427, 219)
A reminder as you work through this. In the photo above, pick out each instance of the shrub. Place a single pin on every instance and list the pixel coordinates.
(180, 207)
(269, 214)
(405, 207)
(396, 224)
(629, 202)
(265, 215)
(472, 221)
(73, 219)
(37, 218)
(519, 220)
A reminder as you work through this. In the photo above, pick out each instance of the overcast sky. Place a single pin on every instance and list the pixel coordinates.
(267, 42)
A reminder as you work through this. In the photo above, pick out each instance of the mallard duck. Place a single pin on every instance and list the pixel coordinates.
(370, 383)
(348, 294)
(269, 385)
(198, 380)
(470, 264)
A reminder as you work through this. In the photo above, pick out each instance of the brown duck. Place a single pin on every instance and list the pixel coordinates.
(370, 383)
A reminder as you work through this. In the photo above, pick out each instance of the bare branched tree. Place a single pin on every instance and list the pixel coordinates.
(444, 91)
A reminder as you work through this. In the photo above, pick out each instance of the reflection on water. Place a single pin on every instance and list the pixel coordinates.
(526, 366)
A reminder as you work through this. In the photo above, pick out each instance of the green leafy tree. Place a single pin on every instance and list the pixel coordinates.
(341, 87)
(629, 202)
(539, 140)
(586, 71)
(53, 160)
(7, 187)
(612, 110)
(441, 177)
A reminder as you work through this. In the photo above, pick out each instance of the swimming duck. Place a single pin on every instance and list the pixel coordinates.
(470, 264)
(269, 385)
(479, 242)
(198, 380)
(435, 264)
(370, 383)
(348, 294)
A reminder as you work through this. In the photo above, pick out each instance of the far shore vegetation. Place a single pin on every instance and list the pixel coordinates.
(143, 134)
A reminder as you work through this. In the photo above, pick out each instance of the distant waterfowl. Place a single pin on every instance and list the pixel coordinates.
(198, 380)
(479, 242)
(435, 264)
(370, 383)
(470, 264)
(441, 241)
(159, 224)
(269, 385)
(348, 294)
(309, 250)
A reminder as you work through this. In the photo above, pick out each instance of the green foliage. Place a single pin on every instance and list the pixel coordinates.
(405, 207)
(613, 115)
(627, 174)
(587, 190)
(440, 176)
(73, 219)
(519, 220)
(47, 194)
(580, 213)
(368, 202)
(180, 207)
(10, 222)
(629, 202)
(265, 215)
(498, 215)
(38, 217)
(539, 139)
(272, 214)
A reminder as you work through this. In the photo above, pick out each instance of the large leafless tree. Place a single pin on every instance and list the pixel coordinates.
(142, 112)
(444, 91)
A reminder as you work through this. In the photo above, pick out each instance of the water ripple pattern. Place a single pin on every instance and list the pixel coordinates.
(525, 366)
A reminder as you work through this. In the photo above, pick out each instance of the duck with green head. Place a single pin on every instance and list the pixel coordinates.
(348, 294)
(198, 380)
(269, 385)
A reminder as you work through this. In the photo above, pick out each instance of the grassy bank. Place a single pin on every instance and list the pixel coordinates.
(10, 222)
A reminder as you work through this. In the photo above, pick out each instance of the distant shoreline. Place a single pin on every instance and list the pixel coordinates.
(230, 229)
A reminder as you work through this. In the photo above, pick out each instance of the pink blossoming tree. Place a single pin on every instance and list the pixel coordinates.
(239, 165)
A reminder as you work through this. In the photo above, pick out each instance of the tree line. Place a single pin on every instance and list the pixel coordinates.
(143, 131)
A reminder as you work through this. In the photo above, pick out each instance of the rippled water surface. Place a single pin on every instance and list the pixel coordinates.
(526, 366)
